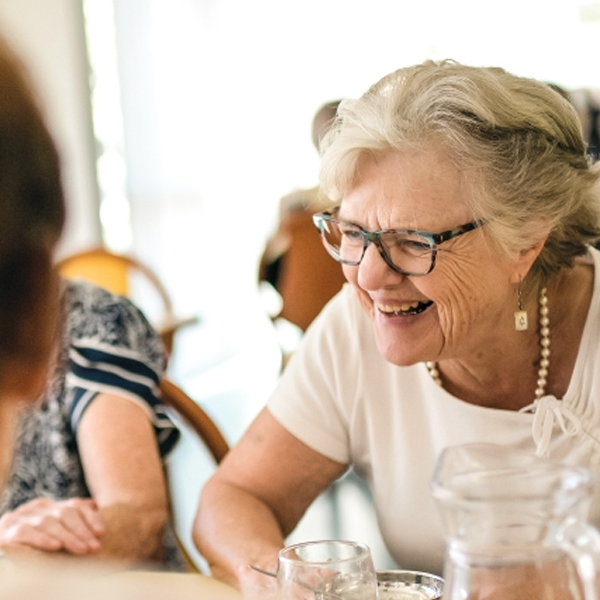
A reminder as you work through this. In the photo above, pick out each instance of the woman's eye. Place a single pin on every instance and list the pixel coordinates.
(417, 246)
(410, 245)
(352, 235)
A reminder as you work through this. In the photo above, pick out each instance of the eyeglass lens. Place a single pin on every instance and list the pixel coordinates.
(410, 253)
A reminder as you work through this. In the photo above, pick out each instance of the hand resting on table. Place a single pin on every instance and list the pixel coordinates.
(73, 526)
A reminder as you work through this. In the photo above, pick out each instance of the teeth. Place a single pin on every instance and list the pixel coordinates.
(392, 308)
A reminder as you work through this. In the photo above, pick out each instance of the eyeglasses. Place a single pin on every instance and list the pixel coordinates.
(406, 251)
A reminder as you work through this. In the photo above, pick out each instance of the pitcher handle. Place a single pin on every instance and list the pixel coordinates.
(581, 542)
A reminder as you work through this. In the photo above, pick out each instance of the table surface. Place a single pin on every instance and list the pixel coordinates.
(75, 584)
(178, 585)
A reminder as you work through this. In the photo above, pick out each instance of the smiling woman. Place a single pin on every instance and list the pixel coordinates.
(429, 345)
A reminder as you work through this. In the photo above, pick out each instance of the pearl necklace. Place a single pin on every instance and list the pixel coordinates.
(542, 380)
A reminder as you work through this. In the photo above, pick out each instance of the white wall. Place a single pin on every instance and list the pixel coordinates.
(48, 36)
(220, 94)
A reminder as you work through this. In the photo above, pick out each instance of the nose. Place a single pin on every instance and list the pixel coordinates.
(373, 272)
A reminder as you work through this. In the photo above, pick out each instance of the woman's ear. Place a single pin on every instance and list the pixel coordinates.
(525, 259)
(539, 227)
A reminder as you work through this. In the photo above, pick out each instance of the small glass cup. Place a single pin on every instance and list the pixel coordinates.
(326, 570)
(399, 584)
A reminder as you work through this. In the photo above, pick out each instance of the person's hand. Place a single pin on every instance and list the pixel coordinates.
(257, 586)
(72, 526)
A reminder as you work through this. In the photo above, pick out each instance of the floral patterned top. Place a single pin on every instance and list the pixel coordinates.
(107, 346)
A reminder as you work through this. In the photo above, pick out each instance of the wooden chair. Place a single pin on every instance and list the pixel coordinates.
(303, 276)
(115, 273)
(308, 277)
(207, 431)
(195, 416)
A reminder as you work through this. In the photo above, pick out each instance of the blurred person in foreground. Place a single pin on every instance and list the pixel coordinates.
(33, 212)
(85, 477)
(464, 209)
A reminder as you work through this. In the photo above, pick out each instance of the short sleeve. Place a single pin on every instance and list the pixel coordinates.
(315, 397)
(111, 348)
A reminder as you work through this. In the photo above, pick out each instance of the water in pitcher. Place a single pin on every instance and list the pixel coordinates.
(515, 526)
(544, 580)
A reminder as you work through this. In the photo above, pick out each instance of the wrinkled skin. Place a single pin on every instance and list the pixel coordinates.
(471, 289)
(464, 307)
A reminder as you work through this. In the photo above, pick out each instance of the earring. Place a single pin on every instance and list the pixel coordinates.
(521, 322)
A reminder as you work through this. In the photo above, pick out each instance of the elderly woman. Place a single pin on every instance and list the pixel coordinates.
(465, 207)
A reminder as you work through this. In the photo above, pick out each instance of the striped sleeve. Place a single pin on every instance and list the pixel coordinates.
(95, 369)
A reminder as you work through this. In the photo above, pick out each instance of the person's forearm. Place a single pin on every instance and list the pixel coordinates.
(234, 529)
(132, 534)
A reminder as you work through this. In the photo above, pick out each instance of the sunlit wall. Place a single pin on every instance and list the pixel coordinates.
(218, 97)
(210, 119)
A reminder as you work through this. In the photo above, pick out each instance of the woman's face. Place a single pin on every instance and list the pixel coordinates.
(457, 308)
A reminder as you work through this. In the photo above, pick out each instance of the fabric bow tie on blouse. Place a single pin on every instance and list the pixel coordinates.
(546, 411)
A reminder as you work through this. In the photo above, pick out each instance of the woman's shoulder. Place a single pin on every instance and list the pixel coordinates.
(93, 313)
(79, 291)
(90, 301)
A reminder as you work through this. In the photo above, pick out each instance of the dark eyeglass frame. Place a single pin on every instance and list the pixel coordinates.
(434, 239)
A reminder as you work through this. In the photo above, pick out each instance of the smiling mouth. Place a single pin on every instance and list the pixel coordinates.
(403, 310)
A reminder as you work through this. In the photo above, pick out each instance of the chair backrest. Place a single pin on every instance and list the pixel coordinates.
(110, 271)
(309, 277)
(118, 273)
(210, 437)
(195, 416)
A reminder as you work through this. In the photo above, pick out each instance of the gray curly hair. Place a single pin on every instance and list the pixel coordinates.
(519, 141)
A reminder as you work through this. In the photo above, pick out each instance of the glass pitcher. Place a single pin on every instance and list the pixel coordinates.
(515, 526)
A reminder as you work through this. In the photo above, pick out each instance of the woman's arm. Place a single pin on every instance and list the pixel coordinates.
(125, 477)
(47, 525)
(255, 499)
(125, 518)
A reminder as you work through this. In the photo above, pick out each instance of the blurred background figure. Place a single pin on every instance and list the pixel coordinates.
(294, 261)
(587, 104)
(592, 123)
(87, 473)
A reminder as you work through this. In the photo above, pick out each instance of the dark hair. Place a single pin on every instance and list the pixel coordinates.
(32, 210)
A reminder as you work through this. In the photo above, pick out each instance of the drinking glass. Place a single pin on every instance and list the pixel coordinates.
(326, 570)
